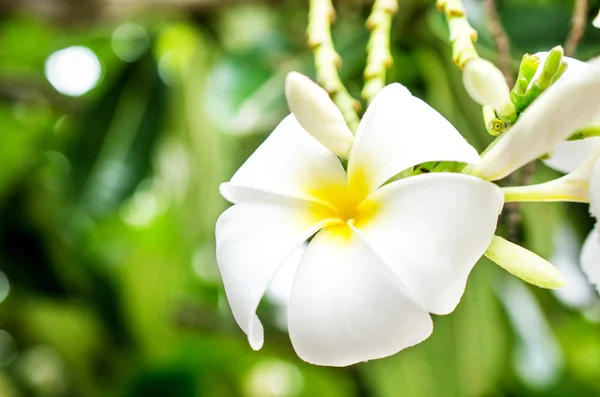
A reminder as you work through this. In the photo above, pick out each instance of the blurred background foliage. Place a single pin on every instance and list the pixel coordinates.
(118, 121)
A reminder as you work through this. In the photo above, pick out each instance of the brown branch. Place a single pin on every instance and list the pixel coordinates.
(501, 38)
(577, 26)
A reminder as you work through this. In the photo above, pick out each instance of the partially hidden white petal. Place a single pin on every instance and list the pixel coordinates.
(590, 258)
(253, 240)
(347, 307)
(569, 155)
(315, 111)
(595, 191)
(431, 230)
(399, 131)
(569, 104)
(289, 163)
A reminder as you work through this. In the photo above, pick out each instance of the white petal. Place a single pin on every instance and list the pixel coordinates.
(347, 306)
(595, 191)
(590, 258)
(317, 114)
(431, 230)
(569, 104)
(569, 155)
(289, 163)
(253, 240)
(399, 131)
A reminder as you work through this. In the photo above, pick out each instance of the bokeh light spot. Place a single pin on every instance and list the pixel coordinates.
(73, 71)
(274, 378)
(8, 349)
(4, 286)
(130, 42)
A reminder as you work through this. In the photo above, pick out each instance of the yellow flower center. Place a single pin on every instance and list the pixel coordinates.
(345, 203)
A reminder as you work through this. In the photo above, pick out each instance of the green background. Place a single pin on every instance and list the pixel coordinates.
(108, 203)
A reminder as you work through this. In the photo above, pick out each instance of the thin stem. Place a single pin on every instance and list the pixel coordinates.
(328, 61)
(462, 34)
(501, 38)
(379, 58)
(577, 26)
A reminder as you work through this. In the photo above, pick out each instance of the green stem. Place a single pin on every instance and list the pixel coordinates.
(328, 61)
(379, 58)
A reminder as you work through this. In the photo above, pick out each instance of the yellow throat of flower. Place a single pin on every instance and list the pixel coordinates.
(346, 204)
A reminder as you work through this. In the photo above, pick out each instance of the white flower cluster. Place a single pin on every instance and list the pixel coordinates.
(388, 241)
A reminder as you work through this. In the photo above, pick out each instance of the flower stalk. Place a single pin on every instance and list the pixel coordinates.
(573, 187)
(379, 58)
(561, 189)
(328, 61)
(462, 34)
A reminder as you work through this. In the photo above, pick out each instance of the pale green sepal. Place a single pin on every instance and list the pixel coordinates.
(524, 264)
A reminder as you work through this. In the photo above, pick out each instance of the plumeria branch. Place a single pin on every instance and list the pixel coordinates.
(379, 58)
(328, 61)
(484, 82)
(577, 26)
(462, 34)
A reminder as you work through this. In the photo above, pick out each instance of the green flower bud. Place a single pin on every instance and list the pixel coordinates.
(527, 69)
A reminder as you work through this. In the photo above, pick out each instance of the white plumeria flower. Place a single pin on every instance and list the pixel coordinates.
(570, 157)
(566, 106)
(383, 256)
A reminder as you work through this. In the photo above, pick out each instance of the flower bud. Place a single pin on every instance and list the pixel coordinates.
(527, 70)
(485, 83)
(317, 114)
(524, 264)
